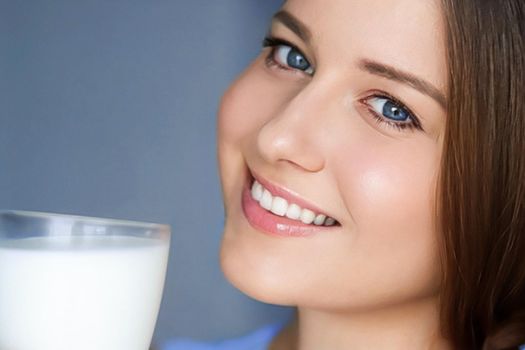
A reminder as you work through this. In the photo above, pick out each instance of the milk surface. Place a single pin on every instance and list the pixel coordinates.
(80, 293)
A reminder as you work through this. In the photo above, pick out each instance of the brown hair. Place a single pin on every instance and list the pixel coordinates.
(482, 186)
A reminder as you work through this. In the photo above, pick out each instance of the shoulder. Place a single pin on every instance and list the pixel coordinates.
(256, 340)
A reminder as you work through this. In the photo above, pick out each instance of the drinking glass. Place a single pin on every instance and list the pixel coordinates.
(73, 282)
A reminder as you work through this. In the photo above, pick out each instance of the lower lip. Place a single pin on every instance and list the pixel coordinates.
(275, 225)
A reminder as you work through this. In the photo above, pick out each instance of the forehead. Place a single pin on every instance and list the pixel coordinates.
(407, 34)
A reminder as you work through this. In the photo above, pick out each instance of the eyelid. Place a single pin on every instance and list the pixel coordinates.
(272, 41)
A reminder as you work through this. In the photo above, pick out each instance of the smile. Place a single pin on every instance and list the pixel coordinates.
(277, 211)
(280, 206)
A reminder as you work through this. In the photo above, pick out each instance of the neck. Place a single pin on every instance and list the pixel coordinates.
(409, 326)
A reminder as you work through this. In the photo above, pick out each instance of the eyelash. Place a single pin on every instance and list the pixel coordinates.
(414, 124)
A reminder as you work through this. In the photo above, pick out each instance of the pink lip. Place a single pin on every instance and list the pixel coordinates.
(273, 224)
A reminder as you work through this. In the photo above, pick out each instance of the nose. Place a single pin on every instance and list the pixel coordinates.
(294, 134)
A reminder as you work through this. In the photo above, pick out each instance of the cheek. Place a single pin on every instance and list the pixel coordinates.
(246, 104)
(250, 102)
(389, 182)
(235, 124)
(233, 113)
(389, 193)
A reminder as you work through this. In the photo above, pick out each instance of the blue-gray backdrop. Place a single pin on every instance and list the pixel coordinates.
(107, 108)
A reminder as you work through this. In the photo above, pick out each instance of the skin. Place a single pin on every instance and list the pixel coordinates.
(373, 282)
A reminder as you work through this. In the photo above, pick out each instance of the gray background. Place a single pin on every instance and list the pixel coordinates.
(107, 108)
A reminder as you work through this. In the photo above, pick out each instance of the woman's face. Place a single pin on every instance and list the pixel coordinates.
(345, 111)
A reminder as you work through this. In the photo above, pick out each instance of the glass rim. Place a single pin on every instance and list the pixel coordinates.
(84, 218)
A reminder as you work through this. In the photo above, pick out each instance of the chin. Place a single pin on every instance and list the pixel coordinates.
(252, 274)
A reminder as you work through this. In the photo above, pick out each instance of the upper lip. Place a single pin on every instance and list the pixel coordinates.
(289, 195)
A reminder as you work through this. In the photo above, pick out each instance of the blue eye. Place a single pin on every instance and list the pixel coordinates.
(286, 56)
(387, 110)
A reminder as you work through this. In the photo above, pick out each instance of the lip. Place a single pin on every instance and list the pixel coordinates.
(275, 225)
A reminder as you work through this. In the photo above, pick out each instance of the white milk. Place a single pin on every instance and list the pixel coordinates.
(81, 293)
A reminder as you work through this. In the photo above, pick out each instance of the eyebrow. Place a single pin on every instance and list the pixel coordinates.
(410, 79)
(294, 24)
(370, 66)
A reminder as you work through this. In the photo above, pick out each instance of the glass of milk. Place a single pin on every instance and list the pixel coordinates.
(71, 282)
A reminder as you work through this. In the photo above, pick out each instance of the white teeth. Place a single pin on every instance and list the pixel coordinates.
(319, 219)
(257, 191)
(329, 222)
(279, 206)
(266, 200)
(293, 212)
(307, 216)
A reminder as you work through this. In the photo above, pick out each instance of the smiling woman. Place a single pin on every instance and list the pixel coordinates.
(346, 115)
(371, 162)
